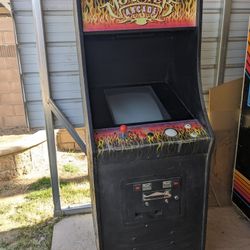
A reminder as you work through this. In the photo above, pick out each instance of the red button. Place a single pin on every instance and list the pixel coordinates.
(137, 188)
(176, 183)
(123, 129)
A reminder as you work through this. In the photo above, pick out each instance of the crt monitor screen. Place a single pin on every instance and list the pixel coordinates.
(135, 105)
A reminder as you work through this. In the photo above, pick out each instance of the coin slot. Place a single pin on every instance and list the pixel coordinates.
(138, 215)
(158, 212)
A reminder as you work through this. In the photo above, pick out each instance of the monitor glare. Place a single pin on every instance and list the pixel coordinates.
(135, 105)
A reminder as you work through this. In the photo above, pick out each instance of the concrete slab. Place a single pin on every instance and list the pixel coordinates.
(74, 233)
(227, 230)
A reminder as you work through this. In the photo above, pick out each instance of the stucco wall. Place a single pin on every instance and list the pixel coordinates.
(11, 103)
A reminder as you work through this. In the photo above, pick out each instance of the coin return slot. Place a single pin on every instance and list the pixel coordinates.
(158, 212)
(138, 216)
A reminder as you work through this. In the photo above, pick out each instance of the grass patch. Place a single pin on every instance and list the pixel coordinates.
(42, 183)
(38, 237)
(32, 217)
(4, 208)
(69, 168)
(42, 195)
(75, 193)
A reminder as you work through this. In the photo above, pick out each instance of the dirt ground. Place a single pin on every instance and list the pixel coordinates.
(19, 185)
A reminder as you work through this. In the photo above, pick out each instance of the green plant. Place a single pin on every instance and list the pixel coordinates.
(69, 168)
(42, 183)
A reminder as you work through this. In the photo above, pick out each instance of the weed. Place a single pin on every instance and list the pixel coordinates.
(69, 168)
(42, 195)
(75, 193)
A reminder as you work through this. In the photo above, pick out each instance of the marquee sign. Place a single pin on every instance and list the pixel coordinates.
(109, 15)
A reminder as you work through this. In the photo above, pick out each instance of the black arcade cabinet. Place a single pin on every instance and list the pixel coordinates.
(149, 137)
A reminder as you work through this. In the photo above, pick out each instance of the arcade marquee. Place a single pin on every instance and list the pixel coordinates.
(137, 14)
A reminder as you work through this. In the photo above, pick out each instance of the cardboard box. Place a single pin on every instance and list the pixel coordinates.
(224, 112)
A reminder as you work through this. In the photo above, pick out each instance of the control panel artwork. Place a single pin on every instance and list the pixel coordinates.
(158, 134)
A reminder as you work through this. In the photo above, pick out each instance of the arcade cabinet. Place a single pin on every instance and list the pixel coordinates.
(149, 137)
(241, 184)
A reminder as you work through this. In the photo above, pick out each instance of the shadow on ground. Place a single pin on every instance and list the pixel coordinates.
(18, 187)
(37, 237)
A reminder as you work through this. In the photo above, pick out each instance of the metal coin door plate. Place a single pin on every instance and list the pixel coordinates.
(147, 186)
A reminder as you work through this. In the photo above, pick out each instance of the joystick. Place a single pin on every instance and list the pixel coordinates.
(123, 130)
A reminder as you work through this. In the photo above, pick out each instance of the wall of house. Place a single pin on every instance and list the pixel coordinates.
(12, 113)
(62, 53)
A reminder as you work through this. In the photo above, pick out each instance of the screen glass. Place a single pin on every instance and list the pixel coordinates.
(135, 105)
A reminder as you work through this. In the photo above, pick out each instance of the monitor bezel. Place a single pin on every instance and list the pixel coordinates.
(140, 89)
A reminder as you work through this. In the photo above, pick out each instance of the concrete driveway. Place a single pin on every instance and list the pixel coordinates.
(227, 230)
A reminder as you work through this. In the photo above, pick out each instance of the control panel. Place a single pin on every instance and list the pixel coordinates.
(157, 134)
(152, 200)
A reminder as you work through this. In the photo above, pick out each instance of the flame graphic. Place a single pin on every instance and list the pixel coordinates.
(131, 14)
(137, 137)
